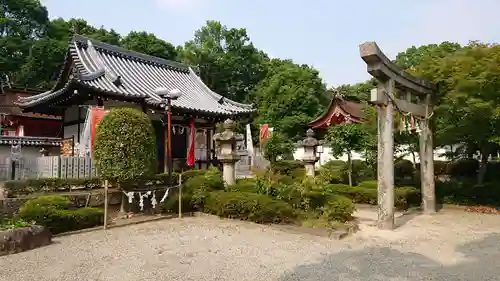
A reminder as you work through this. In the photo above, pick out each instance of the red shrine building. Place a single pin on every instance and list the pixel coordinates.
(340, 111)
(29, 131)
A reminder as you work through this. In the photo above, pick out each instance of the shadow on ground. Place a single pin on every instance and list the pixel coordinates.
(481, 262)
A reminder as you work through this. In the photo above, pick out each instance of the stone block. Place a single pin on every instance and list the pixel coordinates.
(23, 239)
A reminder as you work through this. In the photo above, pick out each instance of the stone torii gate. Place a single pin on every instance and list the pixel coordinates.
(407, 94)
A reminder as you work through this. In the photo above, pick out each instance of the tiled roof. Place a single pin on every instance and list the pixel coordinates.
(29, 141)
(346, 107)
(116, 71)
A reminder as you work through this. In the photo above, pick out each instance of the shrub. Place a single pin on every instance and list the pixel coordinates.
(463, 168)
(468, 193)
(291, 168)
(331, 172)
(404, 197)
(16, 188)
(404, 169)
(338, 208)
(278, 146)
(361, 171)
(249, 206)
(244, 185)
(125, 146)
(440, 167)
(194, 191)
(186, 175)
(371, 184)
(52, 212)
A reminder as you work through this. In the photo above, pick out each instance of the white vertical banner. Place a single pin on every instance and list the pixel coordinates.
(249, 143)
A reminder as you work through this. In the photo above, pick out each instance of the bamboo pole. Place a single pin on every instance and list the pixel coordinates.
(180, 195)
(105, 204)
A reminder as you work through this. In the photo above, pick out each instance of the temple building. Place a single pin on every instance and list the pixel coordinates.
(29, 132)
(340, 111)
(99, 74)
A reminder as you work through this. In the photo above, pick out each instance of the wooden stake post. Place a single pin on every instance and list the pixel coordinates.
(106, 204)
(392, 81)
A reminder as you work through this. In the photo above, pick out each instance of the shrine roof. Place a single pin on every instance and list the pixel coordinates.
(350, 109)
(129, 75)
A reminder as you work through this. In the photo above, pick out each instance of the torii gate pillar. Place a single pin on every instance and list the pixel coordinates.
(408, 94)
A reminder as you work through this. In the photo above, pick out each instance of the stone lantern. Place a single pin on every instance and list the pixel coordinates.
(309, 157)
(226, 151)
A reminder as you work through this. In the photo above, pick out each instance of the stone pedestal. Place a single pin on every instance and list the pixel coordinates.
(309, 158)
(226, 151)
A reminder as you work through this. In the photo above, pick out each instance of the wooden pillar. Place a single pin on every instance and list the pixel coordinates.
(385, 160)
(427, 163)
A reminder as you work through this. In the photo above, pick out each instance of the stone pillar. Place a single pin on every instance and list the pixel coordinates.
(309, 158)
(226, 151)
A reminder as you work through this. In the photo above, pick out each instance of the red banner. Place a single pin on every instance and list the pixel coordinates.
(263, 134)
(191, 152)
(96, 116)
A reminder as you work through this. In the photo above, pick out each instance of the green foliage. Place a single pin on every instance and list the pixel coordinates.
(249, 206)
(404, 197)
(331, 172)
(244, 185)
(13, 223)
(466, 192)
(338, 208)
(229, 63)
(404, 169)
(148, 43)
(17, 188)
(195, 190)
(293, 168)
(463, 168)
(278, 146)
(289, 97)
(125, 147)
(53, 213)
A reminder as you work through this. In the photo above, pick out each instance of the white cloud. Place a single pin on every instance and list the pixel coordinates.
(180, 4)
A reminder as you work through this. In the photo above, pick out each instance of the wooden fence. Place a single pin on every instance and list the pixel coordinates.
(47, 167)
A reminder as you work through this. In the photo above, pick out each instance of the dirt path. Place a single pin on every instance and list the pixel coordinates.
(447, 246)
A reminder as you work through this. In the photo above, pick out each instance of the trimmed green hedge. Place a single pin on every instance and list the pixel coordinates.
(51, 212)
(16, 188)
(404, 197)
(293, 168)
(249, 206)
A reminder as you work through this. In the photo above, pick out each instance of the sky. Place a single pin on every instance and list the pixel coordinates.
(322, 33)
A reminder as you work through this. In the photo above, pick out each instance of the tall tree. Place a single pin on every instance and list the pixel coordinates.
(469, 91)
(21, 23)
(413, 56)
(227, 60)
(346, 139)
(148, 43)
(289, 97)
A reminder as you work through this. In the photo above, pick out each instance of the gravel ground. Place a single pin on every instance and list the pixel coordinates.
(448, 246)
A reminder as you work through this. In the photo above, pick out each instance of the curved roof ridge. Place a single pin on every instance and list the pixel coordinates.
(215, 95)
(119, 51)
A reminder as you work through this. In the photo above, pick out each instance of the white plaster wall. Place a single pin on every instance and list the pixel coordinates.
(327, 155)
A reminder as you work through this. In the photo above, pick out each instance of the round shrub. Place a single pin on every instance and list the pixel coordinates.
(291, 168)
(371, 184)
(404, 169)
(331, 171)
(52, 212)
(338, 208)
(244, 185)
(361, 171)
(249, 206)
(463, 168)
(125, 146)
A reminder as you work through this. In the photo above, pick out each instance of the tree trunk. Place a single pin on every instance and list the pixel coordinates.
(414, 159)
(349, 167)
(482, 168)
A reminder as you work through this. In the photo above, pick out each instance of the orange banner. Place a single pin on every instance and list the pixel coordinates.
(97, 115)
(263, 134)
